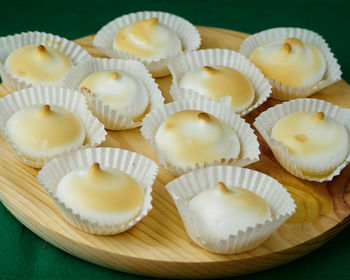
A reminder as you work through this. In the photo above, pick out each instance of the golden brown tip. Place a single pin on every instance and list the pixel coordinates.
(319, 116)
(223, 189)
(153, 20)
(301, 137)
(46, 109)
(114, 75)
(286, 47)
(209, 69)
(294, 41)
(204, 116)
(42, 49)
(95, 169)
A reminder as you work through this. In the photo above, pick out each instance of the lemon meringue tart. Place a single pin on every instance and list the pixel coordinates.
(120, 90)
(223, 211)
(147, 39)
(291, 62)
(316, 143)
(101, 193)
(41, 131)
(38, 64)
(218, 81)
(192, 137)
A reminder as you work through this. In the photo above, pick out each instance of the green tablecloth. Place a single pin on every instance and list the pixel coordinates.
(23, 255)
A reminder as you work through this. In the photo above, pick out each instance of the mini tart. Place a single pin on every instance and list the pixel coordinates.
(291, 62)
(224, 76)
(218, 81)
(137, 76)
(192, 137)
(225, 219)
(150, 37)
(223, 210)
(147, 39)
(315, 146)
(41, 123)
(96, 192)
(120, 90)
(37, 64)
(37, 59)
(218, 133)
(302, 52)
(316, 143)
(101, 191)
(44, 131)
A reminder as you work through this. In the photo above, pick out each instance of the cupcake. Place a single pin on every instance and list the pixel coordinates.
(309, 137)
(190, 134)
(297, 61)
(220, 75)
(37, 59)
(150, 37)
(119, 92)
(101, 191)
(43, 122)
(228, 209)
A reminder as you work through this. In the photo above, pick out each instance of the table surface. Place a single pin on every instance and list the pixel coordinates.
(23, 255)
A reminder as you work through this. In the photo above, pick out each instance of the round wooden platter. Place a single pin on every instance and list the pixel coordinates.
(158, 245)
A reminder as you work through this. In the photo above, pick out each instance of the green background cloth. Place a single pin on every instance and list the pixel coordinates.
(23, 255)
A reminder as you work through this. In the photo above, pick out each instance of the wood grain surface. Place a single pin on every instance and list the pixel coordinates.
(159, 245)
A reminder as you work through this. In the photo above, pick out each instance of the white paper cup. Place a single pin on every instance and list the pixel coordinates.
(248, 141)
(9, 44)
(280, 91)
(141, 168)
(187, 33)
(282, 206)
(108, 116)
(69, 99)
(266, 121)
(193, 60)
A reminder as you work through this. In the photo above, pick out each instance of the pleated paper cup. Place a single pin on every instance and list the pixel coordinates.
(66, 98)
(11, 43)
(105, 113)
(280, 91)
(187, 33)
(211, 57)
(140, 168)
(266, 121)
(281, 204)
(249, 146)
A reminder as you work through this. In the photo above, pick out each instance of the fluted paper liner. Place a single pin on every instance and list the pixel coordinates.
(266, 121)
(248, 141)
(193, 60)
(108, 116)
(282, 206)
(280, 91)
(141, 168)
(9, 44)
(69, 99)
(187, 33)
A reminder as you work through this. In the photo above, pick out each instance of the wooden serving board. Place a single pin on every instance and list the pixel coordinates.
(159, 245)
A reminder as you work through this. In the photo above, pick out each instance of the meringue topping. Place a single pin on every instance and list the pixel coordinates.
(216, 82)
(291, 62)
(38, 64)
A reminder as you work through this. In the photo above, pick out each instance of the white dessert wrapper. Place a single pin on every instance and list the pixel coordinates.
(282, 92)
(69, 99)
(249, 145)
(187, 33)
(9, 44)
(282, 206)
(266, 121)
(193, 60)
(141, 168)
(108, 116)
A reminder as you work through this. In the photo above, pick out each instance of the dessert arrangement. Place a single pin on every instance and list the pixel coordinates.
(63, 100)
